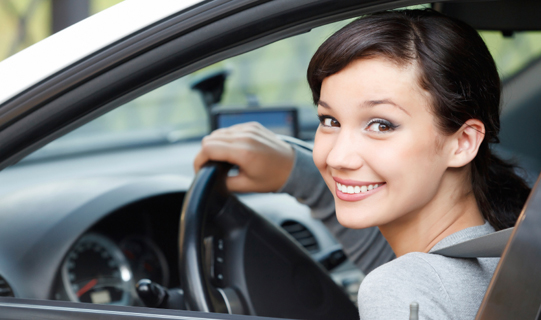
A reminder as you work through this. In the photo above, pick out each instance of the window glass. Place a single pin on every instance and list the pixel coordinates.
(515, 52)
(275, 74)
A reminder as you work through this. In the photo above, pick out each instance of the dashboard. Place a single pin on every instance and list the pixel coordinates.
(87, 228)
(135, 242)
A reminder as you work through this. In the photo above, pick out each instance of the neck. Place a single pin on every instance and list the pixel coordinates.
(448, 212)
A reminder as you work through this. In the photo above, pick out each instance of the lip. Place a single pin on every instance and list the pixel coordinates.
(356, 196)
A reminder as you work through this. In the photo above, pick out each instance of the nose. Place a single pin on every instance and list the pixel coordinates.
(346, 152)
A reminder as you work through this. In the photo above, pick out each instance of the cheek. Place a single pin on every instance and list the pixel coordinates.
(413, 168)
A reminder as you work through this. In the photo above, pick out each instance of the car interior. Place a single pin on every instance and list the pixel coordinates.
(95, 202)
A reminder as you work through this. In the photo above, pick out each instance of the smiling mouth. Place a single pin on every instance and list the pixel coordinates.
(353, 189)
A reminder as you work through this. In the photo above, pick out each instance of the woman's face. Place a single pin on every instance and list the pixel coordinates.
(377, 146)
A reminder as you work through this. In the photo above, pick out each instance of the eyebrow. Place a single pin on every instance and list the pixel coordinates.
(372, 103)
(368, 104)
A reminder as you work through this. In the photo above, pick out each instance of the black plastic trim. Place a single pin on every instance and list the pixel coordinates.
(15, 309)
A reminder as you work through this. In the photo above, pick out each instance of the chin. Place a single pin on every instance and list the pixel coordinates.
(355, 218)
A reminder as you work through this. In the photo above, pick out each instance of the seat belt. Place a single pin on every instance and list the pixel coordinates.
(487, 246)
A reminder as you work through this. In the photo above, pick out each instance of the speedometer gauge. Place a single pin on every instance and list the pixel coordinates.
(95, 271)
(146, 259)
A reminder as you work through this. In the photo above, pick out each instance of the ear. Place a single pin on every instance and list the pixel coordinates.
(466, 142)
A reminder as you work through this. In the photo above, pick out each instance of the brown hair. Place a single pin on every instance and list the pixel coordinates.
(461, 77)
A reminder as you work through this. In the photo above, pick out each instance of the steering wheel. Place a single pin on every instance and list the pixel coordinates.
(232, 260)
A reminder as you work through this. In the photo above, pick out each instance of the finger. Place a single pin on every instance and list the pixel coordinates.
(218, 150)
(232, 134)
(239, 140)
(200, 159)
(208, 152)
(255, 128)
(242, 183)
(236, 183)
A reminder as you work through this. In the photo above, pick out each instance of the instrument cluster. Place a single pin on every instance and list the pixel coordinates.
(99, 270)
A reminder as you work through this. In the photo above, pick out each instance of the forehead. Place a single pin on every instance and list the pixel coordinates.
(377, 72)
(376, 78)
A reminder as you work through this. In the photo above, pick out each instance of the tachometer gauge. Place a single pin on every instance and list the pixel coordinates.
(146, 259)
(95, 271)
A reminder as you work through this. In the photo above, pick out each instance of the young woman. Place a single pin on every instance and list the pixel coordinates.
(409, 103)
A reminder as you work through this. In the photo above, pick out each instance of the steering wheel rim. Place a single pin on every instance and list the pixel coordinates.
(210, 180)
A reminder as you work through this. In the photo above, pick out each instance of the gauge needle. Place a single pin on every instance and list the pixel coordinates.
(87, 287)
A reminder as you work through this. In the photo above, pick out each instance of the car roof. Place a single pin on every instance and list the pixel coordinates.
(80, 40)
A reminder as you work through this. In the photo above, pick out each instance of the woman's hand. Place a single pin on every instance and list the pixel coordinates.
(264, 160)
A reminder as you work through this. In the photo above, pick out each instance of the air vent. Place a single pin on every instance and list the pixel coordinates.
(302, 235)
(5, 289)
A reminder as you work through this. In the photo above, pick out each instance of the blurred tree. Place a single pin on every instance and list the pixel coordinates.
(21, 16)
(25, 22)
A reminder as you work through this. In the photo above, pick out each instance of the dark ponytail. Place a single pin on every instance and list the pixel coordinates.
(459, 73)
(499, 191)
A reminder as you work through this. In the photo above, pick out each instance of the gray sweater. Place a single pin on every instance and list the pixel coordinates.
(445, 288)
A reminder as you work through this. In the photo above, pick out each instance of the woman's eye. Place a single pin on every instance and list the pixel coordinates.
(380, 125)
(328, 121)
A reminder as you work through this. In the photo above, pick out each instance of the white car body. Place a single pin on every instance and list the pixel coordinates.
(80, 40)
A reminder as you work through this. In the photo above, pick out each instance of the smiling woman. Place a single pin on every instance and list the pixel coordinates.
(409, 102)
(380, 115)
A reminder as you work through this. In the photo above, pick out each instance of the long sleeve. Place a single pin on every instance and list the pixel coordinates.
(367, 248)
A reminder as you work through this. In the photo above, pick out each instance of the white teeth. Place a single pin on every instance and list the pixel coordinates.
(355, 189)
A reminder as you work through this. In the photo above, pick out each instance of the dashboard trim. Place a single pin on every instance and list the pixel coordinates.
(80, 203)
